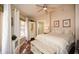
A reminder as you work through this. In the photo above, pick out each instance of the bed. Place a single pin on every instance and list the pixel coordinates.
(52, 44)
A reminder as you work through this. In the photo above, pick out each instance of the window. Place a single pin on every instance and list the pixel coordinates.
(22, 28)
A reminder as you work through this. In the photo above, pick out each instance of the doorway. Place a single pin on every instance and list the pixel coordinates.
(40, 27)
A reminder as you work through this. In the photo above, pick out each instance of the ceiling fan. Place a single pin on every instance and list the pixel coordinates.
(46, 8)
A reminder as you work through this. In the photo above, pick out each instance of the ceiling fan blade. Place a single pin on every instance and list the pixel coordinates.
(39, 6)
(55, 8)
(40, 10)
(51, 7)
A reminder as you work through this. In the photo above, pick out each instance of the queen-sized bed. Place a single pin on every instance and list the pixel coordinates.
(52, 43)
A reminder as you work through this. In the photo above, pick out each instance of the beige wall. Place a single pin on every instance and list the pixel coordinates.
(66, 12)
(77, 22)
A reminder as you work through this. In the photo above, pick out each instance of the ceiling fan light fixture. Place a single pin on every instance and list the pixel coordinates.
(44, 8)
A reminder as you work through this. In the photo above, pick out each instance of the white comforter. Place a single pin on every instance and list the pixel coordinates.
(48, 43)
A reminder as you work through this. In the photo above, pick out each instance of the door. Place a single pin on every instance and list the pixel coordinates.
(32, 29)
(40, 27)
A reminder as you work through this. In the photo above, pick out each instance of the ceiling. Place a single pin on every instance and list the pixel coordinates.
(31, 10)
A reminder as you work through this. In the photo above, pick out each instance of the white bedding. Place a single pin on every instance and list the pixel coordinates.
(48, 43)
(43, 48)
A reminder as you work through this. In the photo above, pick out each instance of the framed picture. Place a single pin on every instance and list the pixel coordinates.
(56, 23)
(67, 23)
